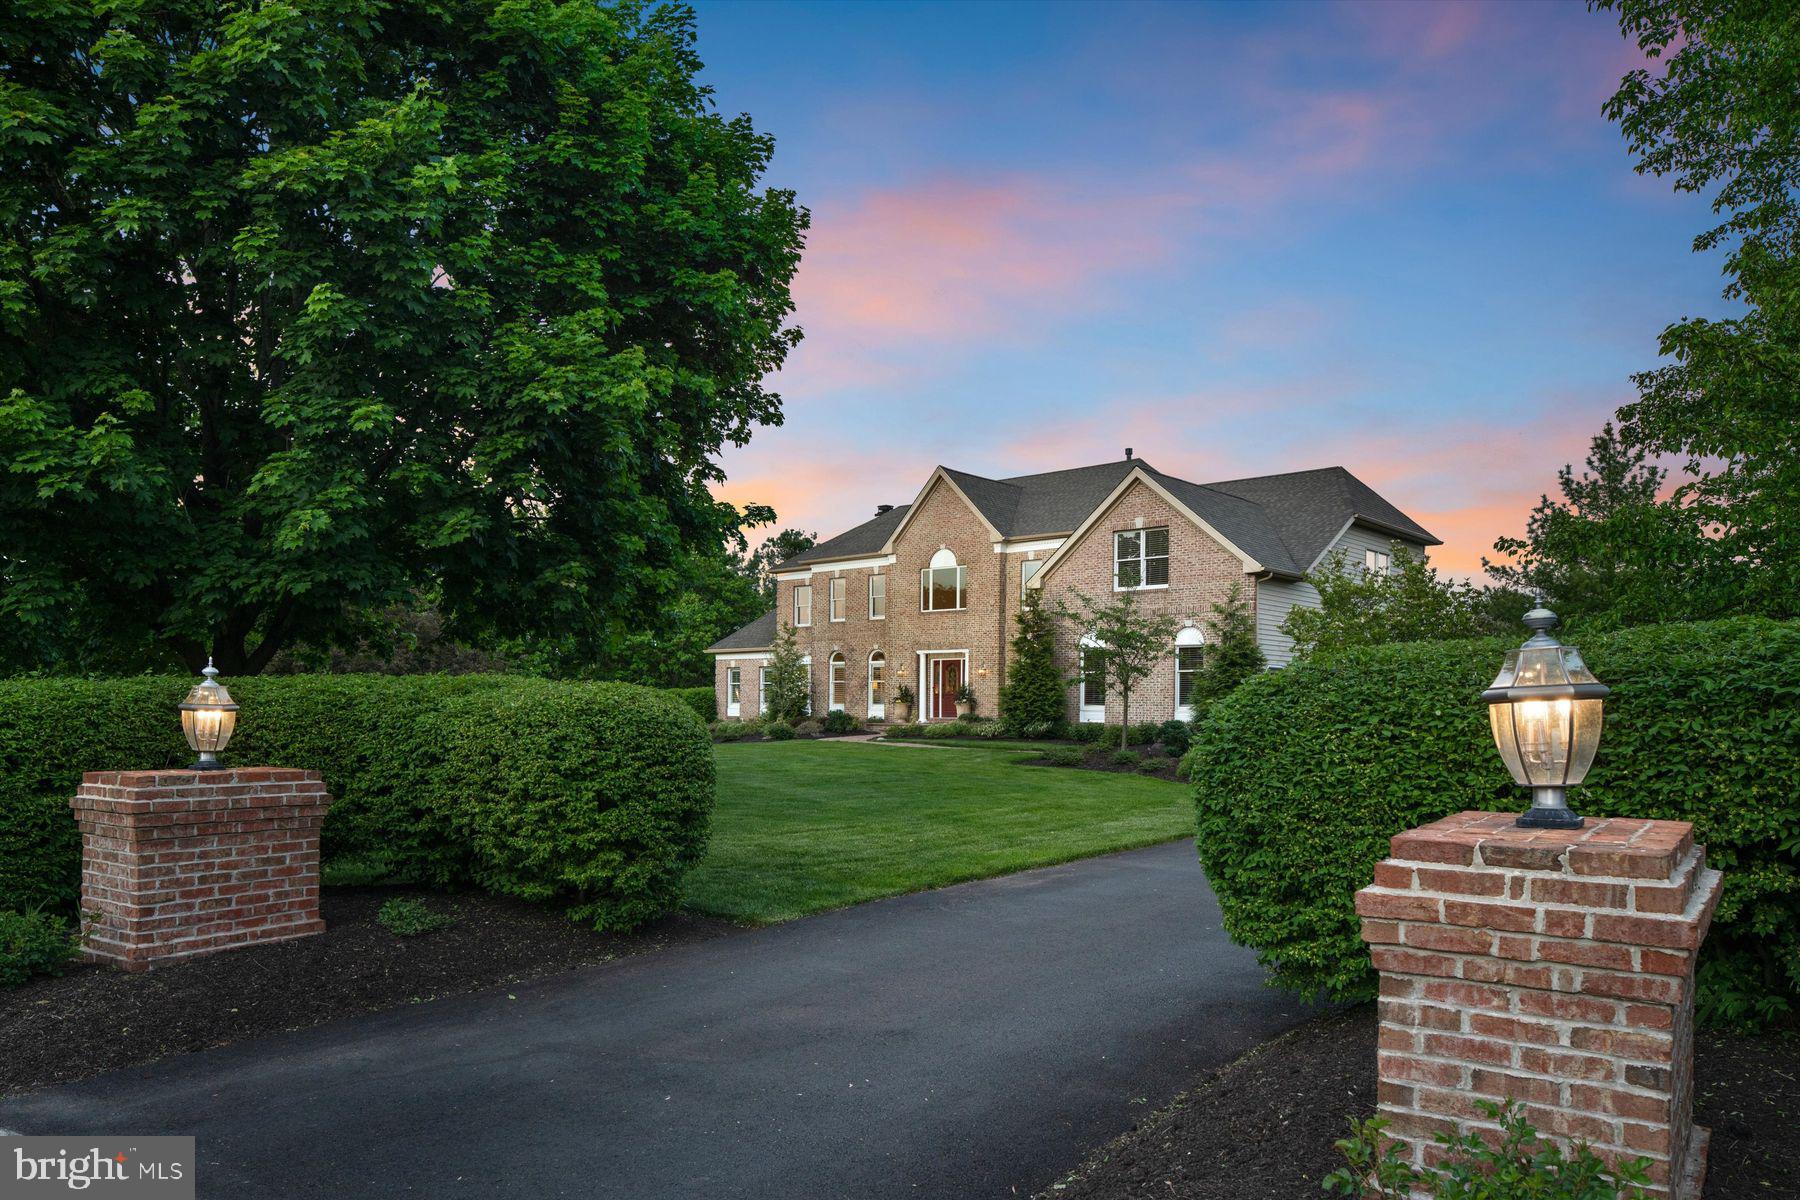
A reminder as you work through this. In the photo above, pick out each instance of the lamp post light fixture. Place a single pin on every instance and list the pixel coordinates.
(1545, 711)
(208, 717)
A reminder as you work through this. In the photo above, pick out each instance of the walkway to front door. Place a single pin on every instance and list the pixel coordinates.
(945, 679)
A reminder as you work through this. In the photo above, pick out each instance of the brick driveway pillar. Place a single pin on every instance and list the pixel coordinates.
(177, 863)
(1552, 967)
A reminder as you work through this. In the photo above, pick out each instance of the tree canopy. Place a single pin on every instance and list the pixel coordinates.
(1410, 602)
(307, 310)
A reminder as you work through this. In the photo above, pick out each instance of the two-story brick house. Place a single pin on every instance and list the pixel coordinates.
(927, 593)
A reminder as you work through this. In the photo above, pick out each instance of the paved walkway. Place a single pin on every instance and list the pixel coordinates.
(968, 1042)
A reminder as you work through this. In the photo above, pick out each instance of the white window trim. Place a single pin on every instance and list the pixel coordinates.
(1143, 559)
(1186, 638)
(962, 588)
(882, 615)
(798, 623)
(734, 691)
(1377, 560)
(834, 702)
(1085, 712)
(762, 690)
(837, 600)
(877, 710)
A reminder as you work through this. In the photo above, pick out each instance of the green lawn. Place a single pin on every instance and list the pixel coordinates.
(806, 826)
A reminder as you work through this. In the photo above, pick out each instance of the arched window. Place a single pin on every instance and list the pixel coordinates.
(1093, 681)
(941, 584)
(840, 678)
(1187, 670)
(877, 697)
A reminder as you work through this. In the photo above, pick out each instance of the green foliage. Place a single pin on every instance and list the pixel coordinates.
(759, 565)
(404, 916)
(778, 731)
(1303, 775)
(1129, 642)
(966, 695)
(1408, 603)
(1610, 553)
(808, 728)
(1174, 737)
(597, 795)
(728, 731)
(1035, 691)
(34, 943)
(905, 731)
(703, 700)
(903, 694)
(1091, 731)
(1716, 114)
(1064, 756)
(1125, 758)
(1232, 654)
(1520, 1167)
(838, 721)
(305, 309)
(787, 688)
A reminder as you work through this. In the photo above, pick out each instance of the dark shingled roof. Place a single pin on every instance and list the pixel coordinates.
(1310, 507)
(1284, 522)
(757, 635)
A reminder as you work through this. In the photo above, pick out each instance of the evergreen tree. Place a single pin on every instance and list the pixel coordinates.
(1232, 655)
(1035, 690)
(789, 687)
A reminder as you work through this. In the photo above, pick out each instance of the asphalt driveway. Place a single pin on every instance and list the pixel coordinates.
(968, 1042)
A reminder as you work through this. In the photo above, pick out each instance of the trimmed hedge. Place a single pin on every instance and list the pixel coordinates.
(701, 699)
(1302, 775)
(598, 794)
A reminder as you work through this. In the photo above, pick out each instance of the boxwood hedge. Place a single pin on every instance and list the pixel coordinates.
(700, 699)
(1302, 775)
(596, 794)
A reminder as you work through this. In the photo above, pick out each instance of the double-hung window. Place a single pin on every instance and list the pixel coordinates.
(1187, 671)
(837, 681)
(837, 593)
(803, 604)
(878, 597)
(734, 682)
(1141, 558)
(1375, 562)
(1027, 570)
(942, 584)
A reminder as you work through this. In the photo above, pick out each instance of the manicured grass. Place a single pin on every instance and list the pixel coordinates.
(982, 743)
(803, 826)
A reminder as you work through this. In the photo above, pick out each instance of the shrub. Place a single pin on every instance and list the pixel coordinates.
(1174, 736)
(1520, 1167)
(1064, 756)
(1035, 731)
(941, 729)
(1035, 691)
(701, 699)
(839, 721)
(778, 731)
(809, 728)
(33, 943)
(1091, 731)
(1125, 758)
(1143, 732)
(905, 731)
(595, 793)
(1153, 766)
(404, 916)
(1302, 775)
(1184, 770)
(728, 731)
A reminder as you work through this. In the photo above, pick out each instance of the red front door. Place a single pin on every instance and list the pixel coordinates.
(946, 680)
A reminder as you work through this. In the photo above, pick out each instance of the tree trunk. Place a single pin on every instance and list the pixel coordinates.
(1124, 718)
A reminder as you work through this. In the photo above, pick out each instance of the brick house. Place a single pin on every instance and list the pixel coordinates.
(927, 593)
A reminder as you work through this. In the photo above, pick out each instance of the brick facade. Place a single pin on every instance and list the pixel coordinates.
(178, 863)
(1551, 967)
(1201, 572)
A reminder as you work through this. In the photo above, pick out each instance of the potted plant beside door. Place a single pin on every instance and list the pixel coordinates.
(902, 704)
(965, 700)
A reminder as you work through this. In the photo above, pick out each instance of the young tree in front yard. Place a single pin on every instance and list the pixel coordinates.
(788, 683)
(1410, 603)
(1036, 692)
(1232, 654)
(307, 310)
(1131, 643)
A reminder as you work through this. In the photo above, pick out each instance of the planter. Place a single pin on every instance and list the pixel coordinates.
(902, 712)
(964, 708)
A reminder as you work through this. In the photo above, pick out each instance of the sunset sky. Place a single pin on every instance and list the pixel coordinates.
(1241, 239)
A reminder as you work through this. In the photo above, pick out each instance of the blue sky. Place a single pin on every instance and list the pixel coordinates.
(1241, 239)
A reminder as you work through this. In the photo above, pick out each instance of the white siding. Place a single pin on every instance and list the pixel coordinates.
(1275, 598)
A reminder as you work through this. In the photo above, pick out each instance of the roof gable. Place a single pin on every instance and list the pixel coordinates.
(1311, 509)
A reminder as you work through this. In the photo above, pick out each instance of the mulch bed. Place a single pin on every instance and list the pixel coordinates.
(96, 1019)
(1262, 1128)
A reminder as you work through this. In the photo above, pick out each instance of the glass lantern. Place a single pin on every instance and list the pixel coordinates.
(1544, 708)
(208, 717)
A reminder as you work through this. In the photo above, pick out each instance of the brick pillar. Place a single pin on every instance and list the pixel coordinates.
(177, 863)
(1552, 967)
